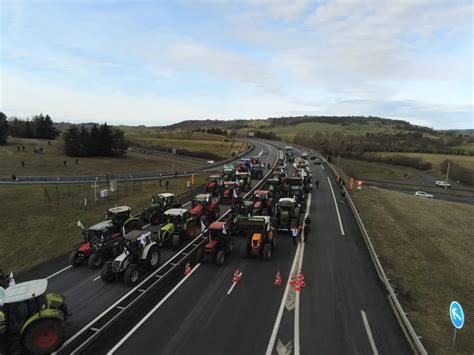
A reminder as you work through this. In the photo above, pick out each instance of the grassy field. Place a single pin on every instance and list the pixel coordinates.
(468, 147)
(426, 248)
(50, 163)
(436, 159)
(35, 231)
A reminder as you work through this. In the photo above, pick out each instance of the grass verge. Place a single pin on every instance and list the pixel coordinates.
(425, 247)
(35, 231)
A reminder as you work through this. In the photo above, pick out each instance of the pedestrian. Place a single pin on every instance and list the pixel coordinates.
(65, 162)
(317, 184)
(14, 177)
(343, 195)
(41, 150)
(77, 161)
(175, 174)
(307, 222)
(18, 148)
(23, 147)
(294, 233)
(49, 143)
(22, 164)
(167, 184)
(34, 151)
(337, 179)
(159, 181)
(342, 183)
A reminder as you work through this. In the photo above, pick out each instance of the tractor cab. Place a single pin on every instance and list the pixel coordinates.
(165, 200)
(287, 210)
(179, 224)
(99, 231)
(220, 243)
(256, 169)
(228, 172)
(294, 187)
(201, 200)
(177, 216)
(240, 208)
(244, 179)
(256, 160)
(260, 237)
(213, 184)
(274, 186)
(204, 209)
(153, 213)
(230, 190)
(135, 241)
(119, 214)
(33, 320)
(263, 200)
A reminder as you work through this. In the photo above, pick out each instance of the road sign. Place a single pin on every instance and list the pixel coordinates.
(456, 314)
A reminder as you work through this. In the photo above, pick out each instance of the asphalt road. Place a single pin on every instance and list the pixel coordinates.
(86, 294)
(202, 318)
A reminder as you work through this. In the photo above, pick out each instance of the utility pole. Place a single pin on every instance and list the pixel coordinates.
(447, 176)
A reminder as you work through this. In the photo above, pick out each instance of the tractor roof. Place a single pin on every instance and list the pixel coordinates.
(166, 194)
(214, 177)
(202, 196)
(242, 173)
(287, 200)
(176, 211)
(231, 183)
(119, 209)
(136, 234)
(25, 290)
(261, 192)
(101, 226)
(217, 225)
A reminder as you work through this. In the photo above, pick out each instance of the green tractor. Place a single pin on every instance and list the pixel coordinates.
(240, 209)
(179, 225)
(33, 321)
(286, 211)
(244, 179)
(153, 214)
(121, 216)
(228, 172)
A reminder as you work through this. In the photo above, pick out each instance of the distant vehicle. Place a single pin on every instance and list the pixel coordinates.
(423, 194)
(304, 155)
(313, 157)
(317, 161)
(442, 183)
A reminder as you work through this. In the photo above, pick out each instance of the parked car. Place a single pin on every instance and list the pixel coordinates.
(442, 183)
(423, 194)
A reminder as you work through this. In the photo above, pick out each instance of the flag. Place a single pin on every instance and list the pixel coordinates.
(11, 280)
(224, 231)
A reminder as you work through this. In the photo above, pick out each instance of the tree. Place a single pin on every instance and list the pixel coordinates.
(3, 129)
(44, 127)
(17, 127)
(72, 146)
(106, 140)
(28, 131)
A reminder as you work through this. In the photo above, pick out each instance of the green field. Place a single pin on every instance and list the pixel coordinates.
(35, 231)
(425, 247)
(436, 159)
(50, 163)
(468, 147)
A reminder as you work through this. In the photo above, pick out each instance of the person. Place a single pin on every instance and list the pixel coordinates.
(294, 234)
(342, 183)
(343, 195)
(307, 222)
(175, 174)
(13, 177)
(317, 184)
(166, 184)
(159, 180)
(268, 166)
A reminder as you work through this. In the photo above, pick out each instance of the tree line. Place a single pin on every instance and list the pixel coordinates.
(40, 126)
(97, 141)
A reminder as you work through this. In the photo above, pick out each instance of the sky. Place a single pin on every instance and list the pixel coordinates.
(161, 62)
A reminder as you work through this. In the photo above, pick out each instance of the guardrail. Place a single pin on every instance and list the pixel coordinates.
(400, 314)
(90, 332)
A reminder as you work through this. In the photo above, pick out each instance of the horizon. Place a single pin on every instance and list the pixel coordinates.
(171, 62)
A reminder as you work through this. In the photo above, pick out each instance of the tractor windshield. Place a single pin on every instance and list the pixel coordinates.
(19, 312)
(93, 235)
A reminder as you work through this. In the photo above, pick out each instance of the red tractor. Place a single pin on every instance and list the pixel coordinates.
(204, 209)
(220, 244)
(262, 203)
(230, 191)
(214, 182)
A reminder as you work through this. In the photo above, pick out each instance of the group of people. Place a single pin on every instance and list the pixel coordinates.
(341, 183)
(295, 230)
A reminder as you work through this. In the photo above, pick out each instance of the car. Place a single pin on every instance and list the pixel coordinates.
(317, 161)
(442, 183)
(423, 194)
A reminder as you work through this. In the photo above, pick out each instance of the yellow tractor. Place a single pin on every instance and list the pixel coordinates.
(260, 237)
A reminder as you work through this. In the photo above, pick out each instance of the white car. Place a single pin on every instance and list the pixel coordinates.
(442, 183)
(423, 194)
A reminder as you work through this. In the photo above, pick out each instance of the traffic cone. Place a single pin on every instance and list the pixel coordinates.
(11, 280)
(297, 287)
(278, 279)
(187, 269)
(236, 277)
(292, 280)
(301, 281)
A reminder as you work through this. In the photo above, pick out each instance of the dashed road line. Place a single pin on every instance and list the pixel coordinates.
(369, 333)
(337, 208)
(58, 272)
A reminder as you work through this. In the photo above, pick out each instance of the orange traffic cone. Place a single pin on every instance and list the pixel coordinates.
(236, 277)
(278, 279)
(301, 281)
(292, 280)
(297, 287)
(187, 269)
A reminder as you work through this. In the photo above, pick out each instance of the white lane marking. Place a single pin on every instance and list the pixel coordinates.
(260, 154)
(369, 333)
(322, 167)
(187, 203)
(233, 284)
(296, 327)
(98, 277)
(147, 225)
(58, 272)
(149, 314)
(337, 208)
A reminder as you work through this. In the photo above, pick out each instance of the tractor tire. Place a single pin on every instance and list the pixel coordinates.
(132, 275)
(132, 224)
(155, 218)
(267, 252)
(274, 241)
(75, 258)
(44, 336)
(153, 258)
(220, 257)
(200, 256)
(175, 241)
(96, 260)
(107, 275)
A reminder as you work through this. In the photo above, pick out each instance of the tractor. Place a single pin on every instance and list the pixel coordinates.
(153, 214)
(260, 237)
(307, 177)
(294, 187)
(179, 225)
(34, 321)
(220, 244)
(102, 241)
(256, 170)
(140, 253)
(230, 191)
(263, 203)
(121, 216)
(287, 210)
(274, 186)
(214, 182)
(244, 179)
(204, 210)
(240, 208)
(228, 172)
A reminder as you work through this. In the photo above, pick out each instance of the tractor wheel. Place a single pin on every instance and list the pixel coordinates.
(44, 336)
(132, 225)
(96, 260)
(267, 251)
(131, 276)
(176, 241)
(152, 258)
(107, 275)
(191, 231)
(63, 308)
(200, 255)
(220, 257)
(155, 218)
(75, 258)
